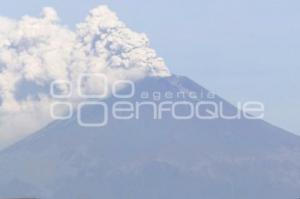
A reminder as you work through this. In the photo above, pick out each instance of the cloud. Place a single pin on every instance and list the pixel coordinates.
(37, 51)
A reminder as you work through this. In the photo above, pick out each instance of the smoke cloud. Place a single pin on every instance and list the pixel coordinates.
(37, 51)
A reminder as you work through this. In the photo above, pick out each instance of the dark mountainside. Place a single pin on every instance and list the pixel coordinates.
(155, 159)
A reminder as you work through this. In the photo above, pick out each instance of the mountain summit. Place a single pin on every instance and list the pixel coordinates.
(155, 158)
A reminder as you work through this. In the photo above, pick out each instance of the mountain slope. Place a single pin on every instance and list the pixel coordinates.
(155, 159)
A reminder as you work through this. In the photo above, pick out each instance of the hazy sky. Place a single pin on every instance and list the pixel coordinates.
(241, 49)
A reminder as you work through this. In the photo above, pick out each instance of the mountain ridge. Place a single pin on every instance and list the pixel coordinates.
(150, 159)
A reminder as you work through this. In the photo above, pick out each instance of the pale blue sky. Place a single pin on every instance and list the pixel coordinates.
(241, 49)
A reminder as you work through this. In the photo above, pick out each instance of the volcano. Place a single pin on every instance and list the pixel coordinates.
(149, 158)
